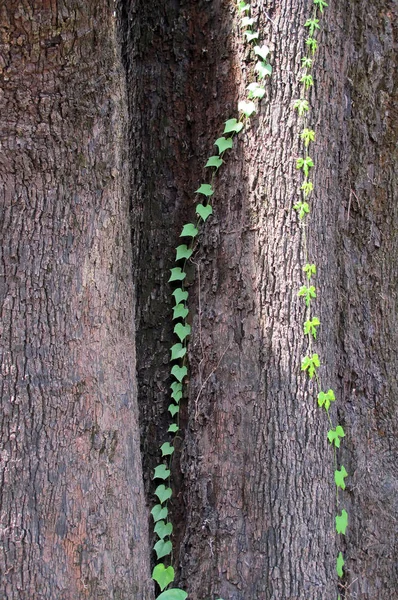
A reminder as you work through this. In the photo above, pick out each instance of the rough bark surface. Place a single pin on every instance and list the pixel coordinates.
(257, 494)
(73, 522)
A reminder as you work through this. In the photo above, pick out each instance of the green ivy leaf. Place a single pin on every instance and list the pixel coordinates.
(182, 331)
(320, 4)
(342, 522)
(214, 161)
(306, 62)
(301, 106)
(176, 396)
(310, 326)
(176, 386)
(167, 450)
(325, 398)
(205, 189)
(177, 274)
(251, 35)
(163, 529)
(163, 548)
(179, 372)
(255, 90)
(173, 594)
(159, 512)
(310, 364)
(163, 576)
(309, 270)
(339, 477)
(189, 230)
(312, 44)
(180, 311)
(163, 492)
(312, 24)
(308, 293)
(177, 351)
(307, 188)
(223, 144)
(173, 428)
(263, 69)
(248, 108)
(302, 209)
(233, 125)
(204, 211)
(183, 252)
(262, 52)
(180, 295)
(340, 565)
(307, 80)
(247, 21)
(307, 135)
(161, 472)
(305, 164)
(334, 435)
(173, 409)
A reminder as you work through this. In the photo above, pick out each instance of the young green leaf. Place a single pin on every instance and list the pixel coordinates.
(214, 161)
(310, 364)
(163, 576)
(255, 90)
(320, 4)
(342, 522)
(163, 529)
(251, 35)
(262, 52)
(247, 21)
(263, 69)
(340, 565)
(248, 108)
(223, 144)
(302, 209)
(173, 409)
(177, 351)
(182, 330)
(163, 548)
(179, 372)
(243, 7)
(233, 125)
(176, 396)
(177, 274)
(189, 230)
(159, 512)
(307, 80)
(167, 450)
(307, 135)
(161, 472)
(310, 327)
(334, 435)
(183, 252)
(180, 311)
(309, 270)
(306, 62)
(339, 477)
(312, 24)
(308, 293)
(307, 188)
(305, 164)
(173, 428)
(325, 398)
(204, 211)
(176, 386)
(173, 594)
(205, 189)
(312, 44)
(301, 105)
(163, 492)
(180, 295)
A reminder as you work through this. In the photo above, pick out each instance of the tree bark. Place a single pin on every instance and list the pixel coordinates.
(73, 518)
(257, 495)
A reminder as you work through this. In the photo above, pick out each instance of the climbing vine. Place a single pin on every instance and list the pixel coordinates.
(164, 575)
(163, 528)
(311, 361)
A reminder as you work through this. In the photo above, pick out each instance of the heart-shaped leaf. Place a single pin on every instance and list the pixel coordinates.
(180, 295)
(177, 351)
(263, 69)
(173, 594)
(255, 90)
(167, 449)
(233, 125)
(163, 576)
(180, 311)
(189, 230)
(251, 35)
(223, 144)
(163, 529)
(176, 386)
(173, 409)
(204, 211)
(247, 21)
(176, 396)
(339, 477)
(205, 189)
(182, 330)
(262, 51)
(163, 493)
(183, 252)
(159, 512)
(173, 428)
(179, 372)
(161, 472)
(214, 161)
(163, 548)
(342, 522)
(177, 274)
(248, 108)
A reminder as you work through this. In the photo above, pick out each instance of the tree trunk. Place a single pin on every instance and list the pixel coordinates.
(255, 504)
(73, 519)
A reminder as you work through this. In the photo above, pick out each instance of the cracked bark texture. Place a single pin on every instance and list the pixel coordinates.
(73, 518)
(254, 509)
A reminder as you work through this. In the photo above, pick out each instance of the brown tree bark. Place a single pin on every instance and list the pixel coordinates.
(73, 518)
(255, 506)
